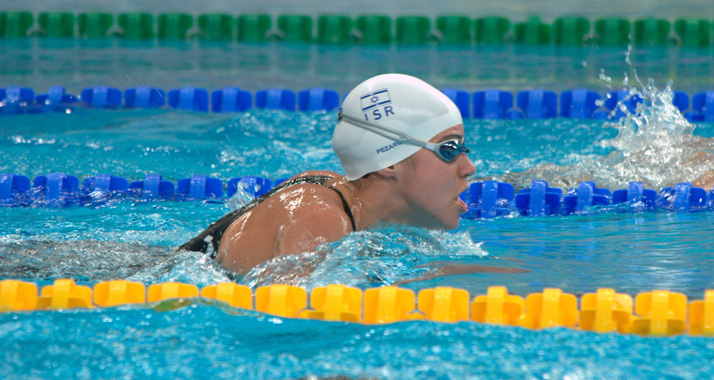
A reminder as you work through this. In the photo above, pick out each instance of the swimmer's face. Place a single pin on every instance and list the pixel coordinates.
(432, 186)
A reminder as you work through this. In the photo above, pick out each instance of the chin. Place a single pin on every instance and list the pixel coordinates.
(441, 221)
(450, 224)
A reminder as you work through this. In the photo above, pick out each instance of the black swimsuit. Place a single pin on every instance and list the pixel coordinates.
(214, 232)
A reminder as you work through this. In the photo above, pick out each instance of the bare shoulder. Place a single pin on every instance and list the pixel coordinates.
(311, 220)
(294, 220)
(308, 204)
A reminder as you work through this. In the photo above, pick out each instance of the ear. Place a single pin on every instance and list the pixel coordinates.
(397, 170)
(389, 172)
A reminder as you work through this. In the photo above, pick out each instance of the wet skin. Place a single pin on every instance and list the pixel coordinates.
(422, 191)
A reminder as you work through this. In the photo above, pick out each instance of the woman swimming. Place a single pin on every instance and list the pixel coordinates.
(401, 143)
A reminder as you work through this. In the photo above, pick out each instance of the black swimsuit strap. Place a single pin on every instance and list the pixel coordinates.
(214, 232)
(346, 206)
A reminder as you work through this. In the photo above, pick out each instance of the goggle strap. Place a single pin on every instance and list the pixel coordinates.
(394, 135)
(384, 131)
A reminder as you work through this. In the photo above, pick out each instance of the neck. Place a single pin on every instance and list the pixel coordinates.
(374, 201)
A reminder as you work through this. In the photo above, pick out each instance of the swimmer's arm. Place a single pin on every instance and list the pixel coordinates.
(440, 269)
(702, 159)
(706, 181)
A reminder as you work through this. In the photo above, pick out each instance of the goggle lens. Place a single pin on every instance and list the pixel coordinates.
(449, 150)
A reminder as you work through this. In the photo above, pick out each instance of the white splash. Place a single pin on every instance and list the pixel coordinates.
(655, 145)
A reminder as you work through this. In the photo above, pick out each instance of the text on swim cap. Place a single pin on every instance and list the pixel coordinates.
(377, 103)
(378, 113)
(388, 147)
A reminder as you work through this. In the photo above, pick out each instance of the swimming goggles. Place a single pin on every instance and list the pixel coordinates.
(447, 150)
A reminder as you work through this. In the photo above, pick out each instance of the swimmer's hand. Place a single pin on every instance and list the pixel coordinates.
(445, 269)
(455, 269)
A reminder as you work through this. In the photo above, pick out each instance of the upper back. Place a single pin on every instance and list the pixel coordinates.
(294, 219)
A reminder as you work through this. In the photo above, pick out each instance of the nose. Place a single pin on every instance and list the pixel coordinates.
(466, 166)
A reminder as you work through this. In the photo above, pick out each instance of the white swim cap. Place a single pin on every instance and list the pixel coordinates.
(396, 101)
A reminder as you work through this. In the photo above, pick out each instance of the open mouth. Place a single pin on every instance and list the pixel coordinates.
(462, 205)
(460, 201)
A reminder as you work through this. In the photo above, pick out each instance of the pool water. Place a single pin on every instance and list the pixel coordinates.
(133, 239)
(209, 341)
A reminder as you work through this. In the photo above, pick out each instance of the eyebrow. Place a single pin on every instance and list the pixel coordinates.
(454, 136)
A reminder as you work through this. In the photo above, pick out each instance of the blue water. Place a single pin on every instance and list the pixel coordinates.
(210, 342)
(133, 239)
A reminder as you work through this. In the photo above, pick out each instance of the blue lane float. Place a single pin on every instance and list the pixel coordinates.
(55, 100)
(538, 104)
(189, 99)
(56, 190)
(680, 100)
(579, 103)
(251, 185)
(104, 183)
(488, 199)
(101, 188)
(17, 94)
(144, 97)
(56, 95)
(539, 200)
(200, 187)
(14, 100)
(318, 99)
(101, 97)
(635, 195)
(153, 187)
(494, 104)
(275, 99)
(584, 197)
(230, 99)
(682, 198)
(14, 190)
(703, 107)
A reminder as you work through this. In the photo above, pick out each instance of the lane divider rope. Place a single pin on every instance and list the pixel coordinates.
(488, 104)
(487, 199)
(655, 313)
(372, 29)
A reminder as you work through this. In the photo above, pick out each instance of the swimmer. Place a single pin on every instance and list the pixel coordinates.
(657, 160)
(401, 143)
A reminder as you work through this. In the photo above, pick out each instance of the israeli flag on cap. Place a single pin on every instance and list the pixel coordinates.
(375, 99)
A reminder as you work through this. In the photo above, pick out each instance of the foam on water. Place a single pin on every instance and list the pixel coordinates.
(381, 256)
